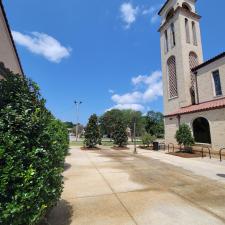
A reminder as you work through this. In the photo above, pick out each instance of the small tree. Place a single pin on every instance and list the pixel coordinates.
(184, 136)
(147, 139)
(120, 133)
(92, 132)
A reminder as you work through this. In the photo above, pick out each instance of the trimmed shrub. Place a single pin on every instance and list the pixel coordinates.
(120, 133)
(184, 136)
(92, 133)
(32, 152)
(147, 139)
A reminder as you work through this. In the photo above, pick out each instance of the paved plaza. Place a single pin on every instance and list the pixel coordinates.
(110, 187)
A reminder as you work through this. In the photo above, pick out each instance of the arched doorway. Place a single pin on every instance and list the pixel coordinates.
(201, 131)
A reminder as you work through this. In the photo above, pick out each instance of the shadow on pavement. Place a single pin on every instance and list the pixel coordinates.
(60, 215)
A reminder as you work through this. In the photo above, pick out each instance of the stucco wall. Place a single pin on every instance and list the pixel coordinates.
(181, 52)
(7, 52)
(216, 120)
(205, 81)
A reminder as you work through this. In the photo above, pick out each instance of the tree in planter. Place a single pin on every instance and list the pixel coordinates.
(92, 133)
(120, 133)
(148, 139)
(184, 136)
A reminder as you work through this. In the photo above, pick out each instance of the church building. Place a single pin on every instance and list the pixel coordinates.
(8, 53)
(194, 90)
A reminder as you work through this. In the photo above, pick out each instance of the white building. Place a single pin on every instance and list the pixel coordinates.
(194, 91)
(8, 53)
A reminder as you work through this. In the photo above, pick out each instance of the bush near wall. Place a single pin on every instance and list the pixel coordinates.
(33, 146)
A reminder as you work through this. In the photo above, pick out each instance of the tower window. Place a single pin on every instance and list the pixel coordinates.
(186, 7)
(195, 42)
(166, 42)
(172, 38)
(217, 83)
(172, 77)
(193, 61)
(187, 30)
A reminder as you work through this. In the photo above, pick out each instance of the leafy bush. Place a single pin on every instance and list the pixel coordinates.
(184, 136)
(120, 133)
(92, 133)
(147, 139)
(32, 152)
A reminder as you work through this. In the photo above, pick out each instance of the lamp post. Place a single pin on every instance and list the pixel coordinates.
(77, 103)
(135, 144)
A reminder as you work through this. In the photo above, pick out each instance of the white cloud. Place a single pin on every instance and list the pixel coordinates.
(111, 91)
(135, 107)
(42, 44)
(128, 13)
(137, 99)
(128, 98)
(152, 11)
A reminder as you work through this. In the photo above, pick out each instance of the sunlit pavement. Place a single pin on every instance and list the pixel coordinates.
(109, 187)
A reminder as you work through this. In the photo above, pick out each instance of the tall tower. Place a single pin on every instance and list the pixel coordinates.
(181, 50)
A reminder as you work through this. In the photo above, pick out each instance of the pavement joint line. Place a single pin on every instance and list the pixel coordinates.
(115, 194)
(198, 206)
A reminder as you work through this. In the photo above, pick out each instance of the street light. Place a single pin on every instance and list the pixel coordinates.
(77, 103)
(135, 144)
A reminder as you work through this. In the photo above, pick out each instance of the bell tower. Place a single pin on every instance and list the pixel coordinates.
(181, 50)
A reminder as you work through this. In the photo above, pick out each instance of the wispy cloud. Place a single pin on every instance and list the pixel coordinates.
(147, 89)
(128, 13)
(42, 44)
(152, 12)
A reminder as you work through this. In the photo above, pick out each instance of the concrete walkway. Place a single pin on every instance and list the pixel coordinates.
(118, 188)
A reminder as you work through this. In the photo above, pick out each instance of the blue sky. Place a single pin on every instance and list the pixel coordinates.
(105, 53)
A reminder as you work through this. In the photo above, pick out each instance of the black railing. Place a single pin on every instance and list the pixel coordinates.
(210, 156)
(169, 145)
(222, 149)
(163, 145)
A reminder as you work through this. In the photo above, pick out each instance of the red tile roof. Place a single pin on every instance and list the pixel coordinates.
(215, 104)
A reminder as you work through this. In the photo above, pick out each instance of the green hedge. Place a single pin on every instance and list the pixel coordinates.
(33, 146)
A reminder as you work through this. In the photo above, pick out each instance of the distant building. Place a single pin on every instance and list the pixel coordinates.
(8, 52)
(194, 91)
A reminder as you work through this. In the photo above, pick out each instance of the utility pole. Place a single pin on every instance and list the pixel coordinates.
(77, 103)
(135, 144)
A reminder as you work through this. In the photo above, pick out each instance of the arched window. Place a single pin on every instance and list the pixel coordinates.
(201, 130)
(193, 62)
(166, 47)
(172, 77)
(187, 30)
(172, 35)
(195, 42)
(186, 6)
(170, 14)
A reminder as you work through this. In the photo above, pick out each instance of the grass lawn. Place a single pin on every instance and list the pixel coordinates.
(105, 142)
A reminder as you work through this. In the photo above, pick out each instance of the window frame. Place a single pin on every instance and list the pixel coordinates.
(214, 84)
(166, 41)
(168, 80)
(194, 33)
(187, 31)
(172, 35)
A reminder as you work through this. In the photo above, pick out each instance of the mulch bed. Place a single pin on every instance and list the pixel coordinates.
(146, 148)
(90, 149)
(186, 154)
(119, 148)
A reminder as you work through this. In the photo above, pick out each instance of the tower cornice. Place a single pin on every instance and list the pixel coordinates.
(180, 9)
(163, 7)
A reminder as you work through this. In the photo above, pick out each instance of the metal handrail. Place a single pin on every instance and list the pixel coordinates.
(210, 156)
(164, 145)
(172, 147)
(221, 153)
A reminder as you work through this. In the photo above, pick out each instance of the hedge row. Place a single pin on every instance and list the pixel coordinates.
(33, 146)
